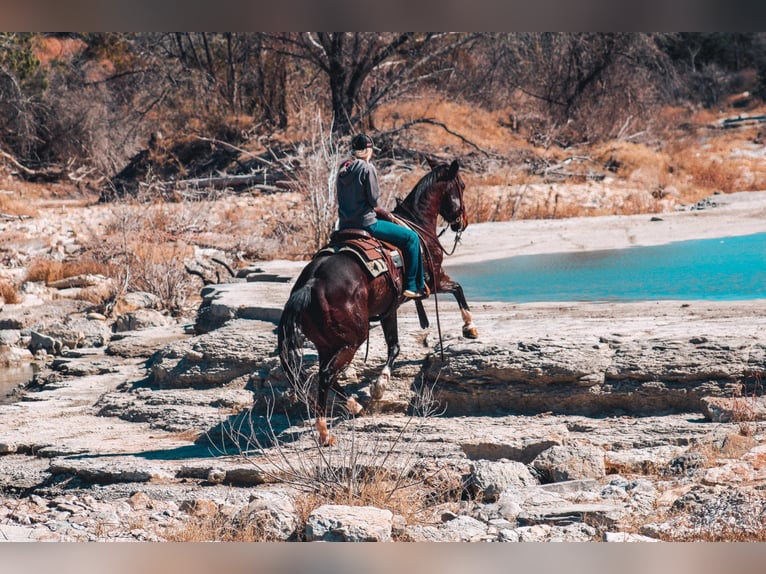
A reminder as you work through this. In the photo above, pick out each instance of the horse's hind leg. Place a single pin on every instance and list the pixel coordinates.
(328, 379)
(391, 333)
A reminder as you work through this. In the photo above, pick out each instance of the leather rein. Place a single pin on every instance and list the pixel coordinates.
(422, 231)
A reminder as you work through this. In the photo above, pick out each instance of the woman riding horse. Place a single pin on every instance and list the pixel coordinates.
(358, 193)
(334, 298)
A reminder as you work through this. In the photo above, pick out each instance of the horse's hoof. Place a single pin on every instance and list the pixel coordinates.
(470, 332)
(353, 407)
(327, 440)
(379, 386)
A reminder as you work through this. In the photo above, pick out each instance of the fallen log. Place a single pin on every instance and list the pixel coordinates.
(742, 120)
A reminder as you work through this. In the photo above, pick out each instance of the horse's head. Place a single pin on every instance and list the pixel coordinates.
(452, 208)
(438, 193)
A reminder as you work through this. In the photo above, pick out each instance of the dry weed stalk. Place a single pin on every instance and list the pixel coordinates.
(314, 179)
(365, 466)
(49, 270)
(744, 406)
(217, 528)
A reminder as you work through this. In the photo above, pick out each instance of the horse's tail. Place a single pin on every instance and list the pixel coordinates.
(290, 335)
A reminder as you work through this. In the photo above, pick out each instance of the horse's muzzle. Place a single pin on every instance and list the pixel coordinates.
(459, 224)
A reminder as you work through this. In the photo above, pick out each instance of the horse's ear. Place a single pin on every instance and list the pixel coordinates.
(432, 163)
(453, 167)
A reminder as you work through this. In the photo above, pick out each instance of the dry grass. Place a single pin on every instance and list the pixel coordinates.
(217, 527)
(635, 162)
(488, 130)
(49, 270)
(12, 204)
(9, 293)
(414, 505)
(744, 408)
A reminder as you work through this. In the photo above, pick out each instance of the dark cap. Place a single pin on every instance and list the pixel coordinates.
(361, 142)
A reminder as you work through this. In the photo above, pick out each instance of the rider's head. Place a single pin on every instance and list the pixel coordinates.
(362, 146)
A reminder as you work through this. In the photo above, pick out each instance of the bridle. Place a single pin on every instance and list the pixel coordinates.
(412, 216)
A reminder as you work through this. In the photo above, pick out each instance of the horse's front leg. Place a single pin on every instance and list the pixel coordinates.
(391, 334)
(447, 285)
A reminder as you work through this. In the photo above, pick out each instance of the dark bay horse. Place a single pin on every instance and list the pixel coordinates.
(334, 298)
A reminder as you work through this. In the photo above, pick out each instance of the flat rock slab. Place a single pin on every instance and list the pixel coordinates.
(261, 297)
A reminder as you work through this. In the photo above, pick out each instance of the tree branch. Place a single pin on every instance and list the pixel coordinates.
(441, 125)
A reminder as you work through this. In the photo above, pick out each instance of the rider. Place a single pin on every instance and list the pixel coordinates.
(358, 194)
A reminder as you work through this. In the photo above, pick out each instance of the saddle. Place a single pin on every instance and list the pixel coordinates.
(377, 257)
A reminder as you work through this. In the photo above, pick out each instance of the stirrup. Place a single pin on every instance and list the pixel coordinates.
(409, 294)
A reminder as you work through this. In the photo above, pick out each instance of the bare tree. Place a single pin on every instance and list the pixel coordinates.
(364, 70)
(592, 82)
(21, 83)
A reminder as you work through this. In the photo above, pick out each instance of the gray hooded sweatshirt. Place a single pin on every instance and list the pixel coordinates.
(358, 194)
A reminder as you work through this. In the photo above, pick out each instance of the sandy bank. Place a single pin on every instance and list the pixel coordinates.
(742, 213)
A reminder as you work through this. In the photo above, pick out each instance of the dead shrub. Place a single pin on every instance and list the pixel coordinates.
(744, 406)
(711, 174)
(364, 466)
(635, 163)
(491, 204)
(100, 295)
(462, 118)
(158, 268)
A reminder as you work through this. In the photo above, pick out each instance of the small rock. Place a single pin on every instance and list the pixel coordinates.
(140, 501)
(199, 507)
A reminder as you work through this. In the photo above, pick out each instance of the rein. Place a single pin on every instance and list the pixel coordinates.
(422, 231)
(454, 245)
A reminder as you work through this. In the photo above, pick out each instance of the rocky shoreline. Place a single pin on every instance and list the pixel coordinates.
(575, 422)
(561, 422)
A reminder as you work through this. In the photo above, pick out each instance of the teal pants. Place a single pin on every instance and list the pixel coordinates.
(409, 242)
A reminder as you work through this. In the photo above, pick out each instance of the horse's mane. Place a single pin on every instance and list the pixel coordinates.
(426, 182)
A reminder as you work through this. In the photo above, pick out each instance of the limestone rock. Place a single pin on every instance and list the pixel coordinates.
(491, 478)
(571, 462)
(40, 342)
(338, 523)
(140, 300)
(459, 529)
(215, 358)
(258, 300)
(145, 342)
(140, 319)
(272, 514)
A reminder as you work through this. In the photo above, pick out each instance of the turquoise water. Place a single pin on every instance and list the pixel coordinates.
(723, 269)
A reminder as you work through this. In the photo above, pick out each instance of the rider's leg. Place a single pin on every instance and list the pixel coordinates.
(409, 242)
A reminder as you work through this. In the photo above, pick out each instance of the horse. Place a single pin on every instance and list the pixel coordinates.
(334, 298)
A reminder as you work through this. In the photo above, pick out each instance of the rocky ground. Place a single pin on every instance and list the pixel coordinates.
(575, 422)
